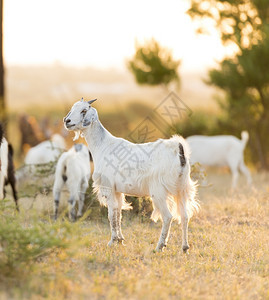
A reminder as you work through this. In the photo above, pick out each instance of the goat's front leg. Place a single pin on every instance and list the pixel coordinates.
(120, 198)
(72, 207)
(80, 205)
(120, 235)
(56, 204)
(112, 206)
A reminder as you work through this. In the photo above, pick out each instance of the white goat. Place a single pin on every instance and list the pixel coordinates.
(46, 151)
(158, 169)
(223, 150)
(3, 164)
(73, 169)
(7, 175)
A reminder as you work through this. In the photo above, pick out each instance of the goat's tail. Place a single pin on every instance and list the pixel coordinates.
(3, 165)
(61, 166)
(187, 188)
(187, 195)
(182, 195)
(244, 138)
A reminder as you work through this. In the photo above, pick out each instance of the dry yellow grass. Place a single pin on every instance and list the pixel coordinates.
(228, 257)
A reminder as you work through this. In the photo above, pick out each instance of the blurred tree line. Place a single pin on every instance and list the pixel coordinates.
(244, 77)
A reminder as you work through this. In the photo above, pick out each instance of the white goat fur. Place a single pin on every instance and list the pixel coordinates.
(223, 150)
(3, 165)
(46, 151)
(156, 169)
(73, 169)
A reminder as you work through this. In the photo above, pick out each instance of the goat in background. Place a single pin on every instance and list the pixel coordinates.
(222, 150)
(7, 174)
(73, 170)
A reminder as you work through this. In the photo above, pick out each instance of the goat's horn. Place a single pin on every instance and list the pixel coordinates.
(91, 101)
(82, 99)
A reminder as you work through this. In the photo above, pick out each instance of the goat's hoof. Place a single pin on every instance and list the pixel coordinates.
(160, 247)
(112, 242)
(185, 248)
(121, 241)
(72, 219)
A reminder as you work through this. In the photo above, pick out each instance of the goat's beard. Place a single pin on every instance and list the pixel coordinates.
(77, 135)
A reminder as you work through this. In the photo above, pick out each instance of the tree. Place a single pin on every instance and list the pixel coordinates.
(243, 76)
(154, 65)
(2, 90)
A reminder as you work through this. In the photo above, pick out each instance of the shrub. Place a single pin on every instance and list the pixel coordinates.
(23, 242)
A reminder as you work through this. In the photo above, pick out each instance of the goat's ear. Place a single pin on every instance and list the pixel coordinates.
(90, 117)
(91, 101)
(86, 122)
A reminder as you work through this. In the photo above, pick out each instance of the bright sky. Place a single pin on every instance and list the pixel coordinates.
(101, 33)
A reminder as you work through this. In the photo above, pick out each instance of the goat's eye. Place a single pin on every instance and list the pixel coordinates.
(84, 111)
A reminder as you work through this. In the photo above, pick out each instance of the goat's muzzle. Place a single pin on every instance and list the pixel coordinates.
(67, 123)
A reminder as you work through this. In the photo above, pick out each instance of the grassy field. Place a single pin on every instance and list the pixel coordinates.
(228, 257)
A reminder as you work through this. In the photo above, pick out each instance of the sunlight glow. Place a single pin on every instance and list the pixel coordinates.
(101, 33)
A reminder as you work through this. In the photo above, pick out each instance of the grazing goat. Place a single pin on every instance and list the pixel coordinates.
(223, 150)
(43, 153)
(157, 169)
(7, 175)
(74, 170)
(46, 151)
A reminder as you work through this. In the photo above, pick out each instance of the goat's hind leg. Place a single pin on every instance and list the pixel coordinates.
(74, 197)
(12, 181)
(15, 195)
(84, 187)
(243, 168)
(58, 185)
(182, 202)
(159, 198)
(234, 168)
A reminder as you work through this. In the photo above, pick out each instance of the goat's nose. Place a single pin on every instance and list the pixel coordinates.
(67, 121)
